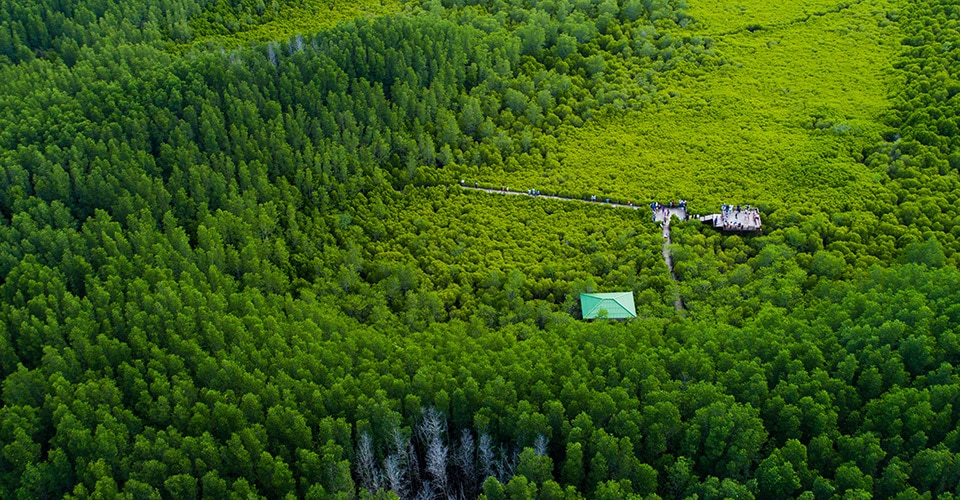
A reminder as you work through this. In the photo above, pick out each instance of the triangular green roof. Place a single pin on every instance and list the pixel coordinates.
(618, 305)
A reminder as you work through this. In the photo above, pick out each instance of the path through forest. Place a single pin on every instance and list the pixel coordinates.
(663, 215)
(552, 197)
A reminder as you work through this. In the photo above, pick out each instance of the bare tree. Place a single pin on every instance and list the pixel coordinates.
(540, 445)
(426, 492)
(400, 467)
(370, 477)
(396, 475)
(506, 464)
(422, 464)
(296, 44)
(272, 54)
(431, 432)
(486, 455)
(464, 459)
(431, 425)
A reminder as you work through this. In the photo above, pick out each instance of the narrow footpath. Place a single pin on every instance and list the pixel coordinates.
(677, 301)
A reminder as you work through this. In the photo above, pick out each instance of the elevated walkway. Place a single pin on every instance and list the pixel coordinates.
(735, 220)
(729, 219)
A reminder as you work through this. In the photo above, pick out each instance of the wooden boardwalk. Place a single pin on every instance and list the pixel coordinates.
(735, 220)
(550, 197)
(729, 219)
(664, 216)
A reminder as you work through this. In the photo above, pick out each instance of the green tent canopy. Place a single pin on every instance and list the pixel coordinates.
(618, 305)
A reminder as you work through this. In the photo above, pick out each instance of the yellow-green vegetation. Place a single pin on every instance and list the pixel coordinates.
(784, 120)
(562, 248)
(307, 17)
(718, 17)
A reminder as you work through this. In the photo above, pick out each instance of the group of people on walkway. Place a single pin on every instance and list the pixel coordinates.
(665, 210)
(730, 208)
(740, 218)
(593, 197)
(656, 205)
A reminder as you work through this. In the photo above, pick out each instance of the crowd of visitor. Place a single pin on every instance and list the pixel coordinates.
(739, 218)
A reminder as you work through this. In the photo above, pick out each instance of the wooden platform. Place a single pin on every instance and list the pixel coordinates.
(735, 220)
(664, 214)
(731, 220)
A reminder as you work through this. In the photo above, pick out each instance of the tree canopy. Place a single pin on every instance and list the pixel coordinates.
(249, 270)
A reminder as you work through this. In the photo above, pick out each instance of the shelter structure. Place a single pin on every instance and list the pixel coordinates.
(618, 305)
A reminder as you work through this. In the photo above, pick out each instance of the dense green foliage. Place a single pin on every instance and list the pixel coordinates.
(242, 272)
(56, 29)
(785, 120)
